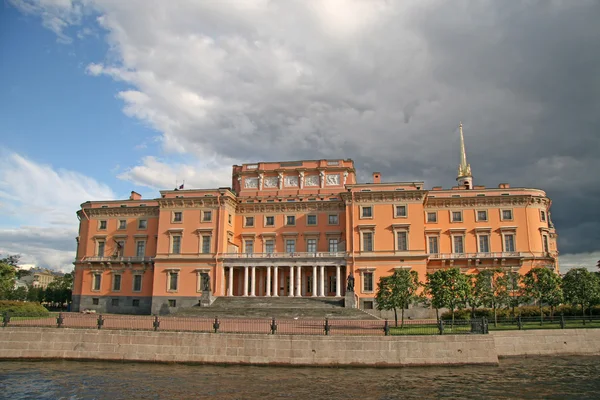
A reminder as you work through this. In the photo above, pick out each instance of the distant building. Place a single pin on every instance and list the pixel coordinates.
(298, 229)
(39, 278)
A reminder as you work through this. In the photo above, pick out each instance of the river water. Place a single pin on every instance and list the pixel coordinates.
(516, 378)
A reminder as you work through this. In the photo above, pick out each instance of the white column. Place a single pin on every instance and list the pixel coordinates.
(261, 281)
(291, 291)
(276, 281)
(299, 281)
(338, 280)
(322, 282)
(253, 283)
(268, 281)
(245, 281)
(314, 279)
(230, 288)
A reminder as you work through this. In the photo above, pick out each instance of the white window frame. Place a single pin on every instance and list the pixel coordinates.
(452, 216)
(316, 244)
(174, 215)
(172, 242)
(246, 225)
(114, 279)
(245, 242)
(514, 241)
(487, 216)
(461, 235)
(437, 243)
(316, 219)
(170, 272)
(133, 283)
(545, 243)
(266, 242)
(337, 244)
(489, 242)
(139, 224)
(427, 217)
(203, 216)
(285, 243)
(137, 242)
(361, 212)
(203, 237)
(119, 226)
(286, 220)
(362, 240)
(100, 228)
(543, 216)
(363, 280)
(266, 224)
(512, 214)
(98, 243)
(95, 275)
(337, 219)
(395, 210)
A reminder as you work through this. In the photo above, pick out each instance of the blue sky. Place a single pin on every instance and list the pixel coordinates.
(101, 97)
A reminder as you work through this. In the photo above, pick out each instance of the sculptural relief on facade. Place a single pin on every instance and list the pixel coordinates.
(301, 175)
(333, 180)
(291, 181)
(270, 182)
(251, 183)
(280, 180)
(311, 180)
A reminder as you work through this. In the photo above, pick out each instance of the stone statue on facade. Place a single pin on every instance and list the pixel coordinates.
(350, 284)
(205, 282)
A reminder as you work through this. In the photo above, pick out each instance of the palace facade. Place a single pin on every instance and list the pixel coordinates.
(299, 229)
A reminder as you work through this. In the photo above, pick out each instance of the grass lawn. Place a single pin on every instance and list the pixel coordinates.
(429, 329)
(49, 316)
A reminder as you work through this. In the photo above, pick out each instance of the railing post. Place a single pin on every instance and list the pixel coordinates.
(484, 326)
(100, 321)
(562, 321)
(386, 328)
(5, 319)
(519, 322)
(273, 326)
(441, 326)
(216, 325)
(156, 323)
(327, 327)
(59, 320)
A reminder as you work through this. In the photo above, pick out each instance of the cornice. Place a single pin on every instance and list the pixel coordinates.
(120, 212)
(255, 208)
(488, 201)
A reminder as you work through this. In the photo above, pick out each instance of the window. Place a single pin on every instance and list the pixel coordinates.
(135, 302)
(116, 283)
(229, 219)
(431, 217)
(333, 219)
(368, 305)
(172, 303)
(367, 212)
(205, 244)
(400, 211)
(101, 245)
(120, 251)
(311, 220)
(543, 215)
(137, 283)
(270, 221)
(176, 249)
(546, 247)
(140, 248)
(367, 241)
(402, 241)
(115, 302)
(509, 242)
(482, 215)
(207, 216)
(177, 216)
(433, 244)
(457, 216)
(95, 301)
(249, 221)
(332, 284)
(290, 220)
(122, 224)
(290, 246)
(173, 280)
(269, 246)
(333, 245)
(97, 281)
(102, 226)
(311, 245)
(249, 246)
(507, 215)
(142, 224)
(458, 244)
(368, 282)
(484, 244)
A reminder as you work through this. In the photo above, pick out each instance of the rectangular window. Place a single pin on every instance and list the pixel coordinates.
(458, 244)
(484, 244)
(333, 219)
(332, 283)
(135, 302)
(311, 220)
(400, 211)
(142, 224)
(116, 283)
(122, 224)
(120, 251)
(172, 303)
(482, 215)
(173, 280)
(115, 302)
(249, 246)
(311, 245)
(543, 215)
(456, 216)
(402, 241)
(290, 246)
(207, 216)
(333, 245)
(140, 248)
(546, 247)
(367, 241)
(368, 305)
(137, 283)
(269, 246)
(507, 215)
(102, 225)
(101, 249)
(431, 217)
(176, 245)
(368, 282)
(249, 221)
(95, 301)
(509, 242)
(177, 216)
(367, 212)
(270, 221)
(290, 220)
(433, 245)
(229, 219)
(97, 281)
(205, 244)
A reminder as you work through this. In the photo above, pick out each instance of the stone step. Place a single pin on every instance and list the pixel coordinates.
(277, 313)
(278, 302)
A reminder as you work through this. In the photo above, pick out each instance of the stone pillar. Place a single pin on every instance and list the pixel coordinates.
(253, 283)
(322, 282)
(245, 281)
(261, 281)
(338, 281)
(314, 279)
(230, 288)
(299, 281)
(276, 281)
(268, 281)
(291, 291)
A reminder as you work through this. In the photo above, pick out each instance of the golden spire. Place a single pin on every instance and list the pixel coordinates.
(464, 169)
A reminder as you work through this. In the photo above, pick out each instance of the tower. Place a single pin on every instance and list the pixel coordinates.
(464, 178)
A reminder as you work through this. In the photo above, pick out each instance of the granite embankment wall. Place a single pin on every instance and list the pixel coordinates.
(384, 351)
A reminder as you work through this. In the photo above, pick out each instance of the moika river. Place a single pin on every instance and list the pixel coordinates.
(516, 378)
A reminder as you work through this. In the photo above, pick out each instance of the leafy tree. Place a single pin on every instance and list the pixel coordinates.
(397, 291)
(543, 286)
(581, 287)
(8, 275)
(491, 289)
(513, 290)
(19, 293)
(448, 288)
(35, 294)
(60, 289)
(434, 289)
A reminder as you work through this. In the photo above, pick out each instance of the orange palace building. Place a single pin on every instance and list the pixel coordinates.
(300, 229)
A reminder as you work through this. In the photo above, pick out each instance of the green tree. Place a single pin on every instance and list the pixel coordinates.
(19, 293)
(543, 286)
(513, 290)
(397, 291)
(491, 289)
(60, 289)
(434, 292)
(448, 288)
(8, 276)
(581, 287)
(35, 294)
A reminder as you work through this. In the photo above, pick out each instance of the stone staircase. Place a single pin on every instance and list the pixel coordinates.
(277, 307)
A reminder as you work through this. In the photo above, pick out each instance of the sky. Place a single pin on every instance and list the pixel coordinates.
(101, 97)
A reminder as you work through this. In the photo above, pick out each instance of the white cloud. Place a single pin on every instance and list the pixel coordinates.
(582, 260)
(57, 15)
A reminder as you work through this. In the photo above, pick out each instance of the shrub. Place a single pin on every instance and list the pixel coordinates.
(23, 309)
(523, 311)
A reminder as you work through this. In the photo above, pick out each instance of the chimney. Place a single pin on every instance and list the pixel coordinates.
(376, 177)
(504, 186)
(135, 196)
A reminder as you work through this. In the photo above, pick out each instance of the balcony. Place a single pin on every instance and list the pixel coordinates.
(465, 256)
(295, 257)
(118, 259)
